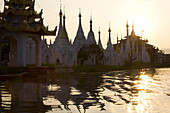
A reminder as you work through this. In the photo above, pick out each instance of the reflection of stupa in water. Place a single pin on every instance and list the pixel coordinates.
(23, 97)
(66, 93)
(27, 95)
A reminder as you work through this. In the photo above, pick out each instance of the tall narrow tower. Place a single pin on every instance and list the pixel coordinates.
(109, 41)
(133, 29)
(127, 28)
(80, 39)
(91, 38)
(99, 42)
(91, 23)
(60, 23)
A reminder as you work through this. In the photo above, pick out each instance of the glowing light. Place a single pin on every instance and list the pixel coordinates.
(143, 85)
(141, 24)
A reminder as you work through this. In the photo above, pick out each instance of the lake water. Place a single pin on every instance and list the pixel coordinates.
(137, 91)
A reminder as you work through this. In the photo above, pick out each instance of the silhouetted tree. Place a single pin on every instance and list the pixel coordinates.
(86, 51)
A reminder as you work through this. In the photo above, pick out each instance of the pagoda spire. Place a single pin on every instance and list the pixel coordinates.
(127, 28)
(133, 29)
(80, 29)
(63, 31)
(99, 32)
(91, 38)
(109, 41)
(60, 13)
(64, 18)
(60, 22)
(91, 22)
(80, 18)
(79, 40)
(99, 42)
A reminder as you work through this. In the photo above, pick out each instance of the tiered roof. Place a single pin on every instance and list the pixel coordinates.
(19, 15)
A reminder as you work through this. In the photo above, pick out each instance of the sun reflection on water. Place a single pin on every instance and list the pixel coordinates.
(143, 104)
(115, 92)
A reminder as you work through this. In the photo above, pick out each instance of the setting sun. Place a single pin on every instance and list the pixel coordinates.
(141, 25)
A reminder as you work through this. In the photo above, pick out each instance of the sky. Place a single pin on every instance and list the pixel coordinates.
(152, 16)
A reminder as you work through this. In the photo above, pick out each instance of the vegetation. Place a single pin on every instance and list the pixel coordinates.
(106, 68)
(87, 68)
(87, 51)
(96, 68)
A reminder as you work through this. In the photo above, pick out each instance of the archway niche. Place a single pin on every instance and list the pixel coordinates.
(9, 56)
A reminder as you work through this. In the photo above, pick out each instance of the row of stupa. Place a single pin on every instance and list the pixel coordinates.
(132, 48)
(22, 29)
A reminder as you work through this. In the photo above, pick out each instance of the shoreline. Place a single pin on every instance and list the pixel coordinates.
(16, 71)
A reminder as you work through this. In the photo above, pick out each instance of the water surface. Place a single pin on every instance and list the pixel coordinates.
(137, 91)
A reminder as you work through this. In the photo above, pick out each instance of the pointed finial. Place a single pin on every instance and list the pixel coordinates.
(91, 15)
(127, 24)
(133, 25)
(109, 28)
(79, 12)
(64, 18)
(60, 5)
(133, 29)
(60, 14)
(64, 10)
(99, 31)
(127, 28)
(91, 23)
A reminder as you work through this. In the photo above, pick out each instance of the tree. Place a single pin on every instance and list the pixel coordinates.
(87, 51)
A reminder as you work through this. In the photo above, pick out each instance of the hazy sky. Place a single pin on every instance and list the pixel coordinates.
(151, 15)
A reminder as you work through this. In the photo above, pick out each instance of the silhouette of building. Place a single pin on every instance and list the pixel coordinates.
(131, 48)
(62, 51)
(109, 53)
(20, 22)
(80, 38)
(24, 31)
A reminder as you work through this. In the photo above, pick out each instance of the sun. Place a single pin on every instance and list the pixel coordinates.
(141, 25)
